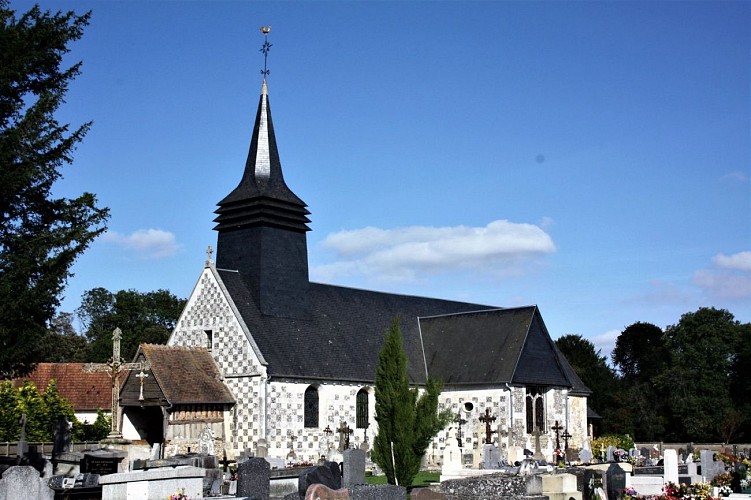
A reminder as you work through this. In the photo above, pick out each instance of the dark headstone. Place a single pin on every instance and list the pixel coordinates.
(592, 480)
(253, 479)
(62, 436)
(327, 474)
(102, 461)
(615, 479)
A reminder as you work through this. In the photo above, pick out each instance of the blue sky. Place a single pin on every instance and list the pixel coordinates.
(593, 158)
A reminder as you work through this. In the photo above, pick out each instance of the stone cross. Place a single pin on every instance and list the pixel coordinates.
(114, 366)
(344, 432)
(557, 428)
(538, 450)
(209, 251)
(487, 420)
(141, 376)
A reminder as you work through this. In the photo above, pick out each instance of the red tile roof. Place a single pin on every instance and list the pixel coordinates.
(85, 391)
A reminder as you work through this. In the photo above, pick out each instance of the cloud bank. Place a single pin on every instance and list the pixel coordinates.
(402, 254)
(146, 243)
(730, 278)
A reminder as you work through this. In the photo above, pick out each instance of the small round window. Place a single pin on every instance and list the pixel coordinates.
(468, 406)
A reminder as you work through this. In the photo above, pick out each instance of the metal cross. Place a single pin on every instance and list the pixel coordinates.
(557, 428)
(344, 432)
(265, 49)
(460, 421)
(566, 436)
(114, 366)
(487, 420)
(141, 376)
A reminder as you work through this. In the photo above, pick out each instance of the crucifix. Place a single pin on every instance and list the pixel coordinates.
(209, 251)
(460, 421)
(114, 366)
(344, 432)
(566, 436)
(141, 376)
(487, 420)
(557, 428)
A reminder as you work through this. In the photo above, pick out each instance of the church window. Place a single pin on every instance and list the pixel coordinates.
(535, 409)
(362, 409)
(311, 407)
(209, 339)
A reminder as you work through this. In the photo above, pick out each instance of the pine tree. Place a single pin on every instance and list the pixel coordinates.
(406, 420)
(40, 235)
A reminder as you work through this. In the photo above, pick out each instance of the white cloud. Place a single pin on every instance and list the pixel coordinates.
(735, 176)
(729, 279)
(740, 261)
(605, 342)
(146, 243)
(401, 254)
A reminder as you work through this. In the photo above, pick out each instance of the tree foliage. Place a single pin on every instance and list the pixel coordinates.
(40, 235)
(407, 421)
(143, 317)
(42, 411)
(592, 368)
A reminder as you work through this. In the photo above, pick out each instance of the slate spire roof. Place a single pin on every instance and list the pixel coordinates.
(262, 198)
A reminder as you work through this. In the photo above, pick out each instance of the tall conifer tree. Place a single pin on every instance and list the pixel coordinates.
(40, 235)
(406, 421)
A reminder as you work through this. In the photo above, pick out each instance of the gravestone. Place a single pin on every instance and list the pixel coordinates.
(585, 456)
(592, 480)
(610, 454)
(24, 483)
(103, 461)
(452, 460)
(327, 474)
(615, 479)
(644, 452)
(206, 441)
(62, 436)
(354, 467)
(491, 456)
(262, 450)
(253, 478)
(22, 448)
(670, 465)
(709, 467)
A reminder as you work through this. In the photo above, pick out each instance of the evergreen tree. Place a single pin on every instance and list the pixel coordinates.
(40, 235)
(406, 420)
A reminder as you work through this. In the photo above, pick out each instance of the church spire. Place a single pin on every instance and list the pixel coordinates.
(262, 224)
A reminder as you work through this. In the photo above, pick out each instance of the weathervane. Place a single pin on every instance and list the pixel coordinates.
(265, 49)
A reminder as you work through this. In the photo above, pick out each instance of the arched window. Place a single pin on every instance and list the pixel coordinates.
(362, 409)
(535, 409)
(311, 407)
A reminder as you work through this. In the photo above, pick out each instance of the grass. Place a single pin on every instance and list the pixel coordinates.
(423, 478)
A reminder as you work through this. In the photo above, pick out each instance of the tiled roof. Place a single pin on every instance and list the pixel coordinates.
(85, 391)
(185, 375)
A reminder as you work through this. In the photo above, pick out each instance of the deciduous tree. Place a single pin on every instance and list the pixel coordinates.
(143, 318)
(41, 235)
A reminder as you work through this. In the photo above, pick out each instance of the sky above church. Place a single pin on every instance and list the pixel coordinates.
(593, 158)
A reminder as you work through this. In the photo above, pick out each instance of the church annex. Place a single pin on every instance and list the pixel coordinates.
(299, 358)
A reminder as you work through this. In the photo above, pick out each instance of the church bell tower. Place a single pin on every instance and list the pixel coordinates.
(262, 227)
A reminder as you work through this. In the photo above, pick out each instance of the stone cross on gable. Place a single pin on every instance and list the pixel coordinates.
(487, 420)
(209, 251)
(114, 366)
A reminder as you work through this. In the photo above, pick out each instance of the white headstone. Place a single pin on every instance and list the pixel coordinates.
(206, 441)
(452, 458)
(670, 464)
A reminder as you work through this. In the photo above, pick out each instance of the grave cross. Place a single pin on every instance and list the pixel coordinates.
(557, 428)
(344, 432)
(114, 366)
(460, 421)
(566, 436)
(487, 420)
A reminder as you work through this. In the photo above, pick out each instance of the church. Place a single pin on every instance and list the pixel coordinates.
(298, 358)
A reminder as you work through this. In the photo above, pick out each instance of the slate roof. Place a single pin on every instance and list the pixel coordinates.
(185, 375)
(344, 332)
(85, 391)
